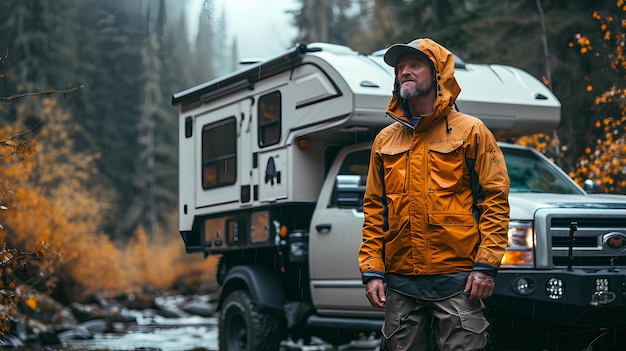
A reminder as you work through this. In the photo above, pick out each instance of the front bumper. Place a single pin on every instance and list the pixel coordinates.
(582, 298)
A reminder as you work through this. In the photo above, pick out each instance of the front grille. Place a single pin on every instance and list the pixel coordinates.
(590, 261)
(585, 241)
(604, 222)
(588, 249)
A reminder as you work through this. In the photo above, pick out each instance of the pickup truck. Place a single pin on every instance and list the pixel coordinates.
(272, 164)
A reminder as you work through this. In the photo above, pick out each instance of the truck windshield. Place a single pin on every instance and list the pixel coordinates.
(531, 173)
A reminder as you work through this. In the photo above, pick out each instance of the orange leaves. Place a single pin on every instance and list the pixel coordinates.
(613, 40)
(583, 42)
(93, 263)
(543, 143)
(31, 302)
(606, 161)
(596, 15)
(158, 263)
(53, 202)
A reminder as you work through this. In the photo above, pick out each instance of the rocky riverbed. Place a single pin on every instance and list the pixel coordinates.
(163, 321)
(104, 324)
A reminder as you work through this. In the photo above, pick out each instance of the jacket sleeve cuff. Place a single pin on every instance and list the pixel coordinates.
(369, 275)
(485, 268)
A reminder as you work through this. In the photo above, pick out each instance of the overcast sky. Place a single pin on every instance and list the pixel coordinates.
(262, 27)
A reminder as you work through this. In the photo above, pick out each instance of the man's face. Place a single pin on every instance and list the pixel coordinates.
(414, 76)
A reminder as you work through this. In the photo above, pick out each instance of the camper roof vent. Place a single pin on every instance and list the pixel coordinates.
(333, 48)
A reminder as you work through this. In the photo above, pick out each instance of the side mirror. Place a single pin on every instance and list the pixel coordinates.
(349, 191)
(591, 187)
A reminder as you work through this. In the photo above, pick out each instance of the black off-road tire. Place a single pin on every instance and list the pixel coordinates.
(244, 327)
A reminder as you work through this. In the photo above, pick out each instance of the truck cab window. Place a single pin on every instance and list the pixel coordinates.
(219, 153)
(350, 182)
(269, 114)
(530, 173)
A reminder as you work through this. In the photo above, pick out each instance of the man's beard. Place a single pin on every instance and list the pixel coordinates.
(411, 91)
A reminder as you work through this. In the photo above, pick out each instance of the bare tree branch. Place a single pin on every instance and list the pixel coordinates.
(64, 92)
(15, 141)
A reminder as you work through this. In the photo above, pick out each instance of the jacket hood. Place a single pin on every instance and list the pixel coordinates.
(447, 87)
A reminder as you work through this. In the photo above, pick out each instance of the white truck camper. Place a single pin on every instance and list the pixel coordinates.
(273, 160)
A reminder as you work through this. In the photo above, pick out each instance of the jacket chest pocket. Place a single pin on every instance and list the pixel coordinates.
(446, 163)
(395, 168)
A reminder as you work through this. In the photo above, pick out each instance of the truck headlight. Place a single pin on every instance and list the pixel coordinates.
(520, 247)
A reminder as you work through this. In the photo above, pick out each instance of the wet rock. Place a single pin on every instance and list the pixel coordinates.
(10, 341)
(168, 306)
(39, 306)
(100, 300)
(19, 329)
(369, 343)
(110, 312)
(78, 333)
(117, 314)
(96, 325)
(36, 327)
(316, 344)
(63, 318)
(49, 338)
(85, 312)
(200, 308)
(139, 301)
(169, 312)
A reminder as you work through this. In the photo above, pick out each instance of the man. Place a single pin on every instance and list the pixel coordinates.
(436, 209)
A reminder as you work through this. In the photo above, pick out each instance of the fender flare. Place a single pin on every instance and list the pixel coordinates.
(264, 285)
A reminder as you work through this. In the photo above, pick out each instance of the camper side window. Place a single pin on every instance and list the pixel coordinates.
(219, 153)
(269, 114)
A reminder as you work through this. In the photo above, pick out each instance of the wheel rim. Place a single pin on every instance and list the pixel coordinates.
(237, 333)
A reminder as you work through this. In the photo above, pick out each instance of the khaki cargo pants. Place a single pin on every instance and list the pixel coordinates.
(452, 324)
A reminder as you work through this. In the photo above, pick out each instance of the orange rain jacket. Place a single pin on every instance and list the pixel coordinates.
(421, 215)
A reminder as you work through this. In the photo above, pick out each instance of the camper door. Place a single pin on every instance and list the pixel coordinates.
(224, 156)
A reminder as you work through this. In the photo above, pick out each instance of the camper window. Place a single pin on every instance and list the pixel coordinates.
(219, 153)
(269, 114)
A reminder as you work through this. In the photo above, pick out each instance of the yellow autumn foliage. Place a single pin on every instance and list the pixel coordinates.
(605, 162)
(58, 203)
